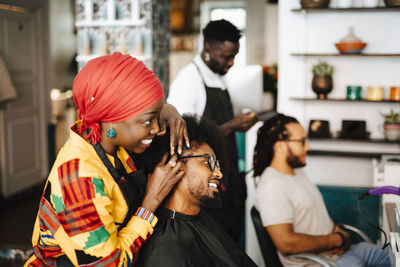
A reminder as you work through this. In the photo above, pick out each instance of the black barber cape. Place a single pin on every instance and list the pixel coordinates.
(181, 240)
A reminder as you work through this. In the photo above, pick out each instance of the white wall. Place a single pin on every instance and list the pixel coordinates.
(270, 44)
(62, 43)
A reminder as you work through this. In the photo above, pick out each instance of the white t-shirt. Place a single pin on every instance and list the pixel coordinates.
(187, 92)
(282, 198)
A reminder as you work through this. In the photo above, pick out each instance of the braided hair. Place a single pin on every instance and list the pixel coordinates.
(273, 130)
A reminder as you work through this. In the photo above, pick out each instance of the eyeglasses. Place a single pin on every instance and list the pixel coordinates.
(212, 161)
(303, 141)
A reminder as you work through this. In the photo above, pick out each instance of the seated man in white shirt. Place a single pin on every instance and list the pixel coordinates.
(291, 206)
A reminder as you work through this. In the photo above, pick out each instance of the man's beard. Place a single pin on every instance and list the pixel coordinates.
(214, 202)
(206, 201)
(216, 67)
(294, 161)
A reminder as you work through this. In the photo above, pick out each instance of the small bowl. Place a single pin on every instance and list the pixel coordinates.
(350, 48)
(392, 3)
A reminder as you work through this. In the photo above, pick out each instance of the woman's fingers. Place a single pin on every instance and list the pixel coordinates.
(163, 129)
(178, 136)
(186, 136)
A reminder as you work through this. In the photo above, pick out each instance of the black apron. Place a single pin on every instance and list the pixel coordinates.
(230, 215)
(132, 185)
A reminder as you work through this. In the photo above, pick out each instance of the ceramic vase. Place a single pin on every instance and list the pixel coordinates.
(391, 131)
(392, 3)
(314, 3)
(322, 85)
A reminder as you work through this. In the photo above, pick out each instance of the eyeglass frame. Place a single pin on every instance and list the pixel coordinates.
(303, 140)
(212, 161)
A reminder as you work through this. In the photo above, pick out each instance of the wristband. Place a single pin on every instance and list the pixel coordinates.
(147, 215)
(342, 237)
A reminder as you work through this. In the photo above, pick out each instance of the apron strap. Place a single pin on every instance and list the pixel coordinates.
(125, 184)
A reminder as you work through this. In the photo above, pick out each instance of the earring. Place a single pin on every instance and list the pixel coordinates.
(111, 132)
(207, 56)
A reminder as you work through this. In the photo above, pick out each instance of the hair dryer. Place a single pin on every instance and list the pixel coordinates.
(388, 189)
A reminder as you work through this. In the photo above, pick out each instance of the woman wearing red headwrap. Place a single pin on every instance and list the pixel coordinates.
(97, 208)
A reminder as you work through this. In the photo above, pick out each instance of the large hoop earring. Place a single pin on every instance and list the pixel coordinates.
(111, 132)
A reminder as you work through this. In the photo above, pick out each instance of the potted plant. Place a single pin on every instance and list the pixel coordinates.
(391, 126)
(322, 82)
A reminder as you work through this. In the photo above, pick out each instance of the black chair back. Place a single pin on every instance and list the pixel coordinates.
(268, 249)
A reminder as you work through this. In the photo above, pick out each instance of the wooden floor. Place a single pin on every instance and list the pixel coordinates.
(18, 215)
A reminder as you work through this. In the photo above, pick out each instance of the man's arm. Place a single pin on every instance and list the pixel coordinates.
(241, 123)
(289, 242)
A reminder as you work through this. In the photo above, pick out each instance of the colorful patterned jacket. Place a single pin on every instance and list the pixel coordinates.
(81, 210)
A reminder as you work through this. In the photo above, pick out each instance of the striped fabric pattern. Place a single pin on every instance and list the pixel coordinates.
(109, 261)
(48, 217)
(80, 214)
(74, 188)
(80, 219)
(130, 163)
(146, 215)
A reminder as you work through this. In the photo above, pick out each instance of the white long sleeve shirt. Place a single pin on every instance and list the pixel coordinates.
(187, 92)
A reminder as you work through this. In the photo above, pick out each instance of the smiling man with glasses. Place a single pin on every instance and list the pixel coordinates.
(291, 207)
(186, 235)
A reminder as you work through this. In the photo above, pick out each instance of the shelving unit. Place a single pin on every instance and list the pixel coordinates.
(309, 35)
(360, 148)
(335, 139)
(344, 100)
(136, 27)
(346, 55)
(352, 9)
(346, 154)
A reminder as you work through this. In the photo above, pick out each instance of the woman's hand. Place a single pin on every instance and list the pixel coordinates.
(170, 117)
(161, 181)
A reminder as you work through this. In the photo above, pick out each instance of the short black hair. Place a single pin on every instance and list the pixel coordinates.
(273, 130)
(200, 131)
(221, 31)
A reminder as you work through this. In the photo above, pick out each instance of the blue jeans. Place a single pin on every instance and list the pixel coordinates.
(366, 254)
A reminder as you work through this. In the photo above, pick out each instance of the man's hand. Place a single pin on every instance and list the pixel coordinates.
(241, 123)
(289, 242)
(170, 117)
(347, 238)
(161, 181)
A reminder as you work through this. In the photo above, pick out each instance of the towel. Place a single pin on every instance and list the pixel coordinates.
(7, 89)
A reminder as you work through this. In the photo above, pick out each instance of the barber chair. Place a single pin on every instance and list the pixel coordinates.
(269, 251)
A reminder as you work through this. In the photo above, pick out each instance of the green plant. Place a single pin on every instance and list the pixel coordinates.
(322, 68)
(392, 117)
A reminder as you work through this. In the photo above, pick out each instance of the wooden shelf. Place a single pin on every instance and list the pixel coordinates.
(112, 23)
(345, 154)
(351, 9)
(335, 139)
(82, 58)
(346, 55)
(343, 100)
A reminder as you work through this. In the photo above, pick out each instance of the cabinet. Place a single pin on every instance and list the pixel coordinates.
(136, 27)
(307, 36)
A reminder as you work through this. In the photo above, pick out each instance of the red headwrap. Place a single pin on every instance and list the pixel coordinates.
(113, 88)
